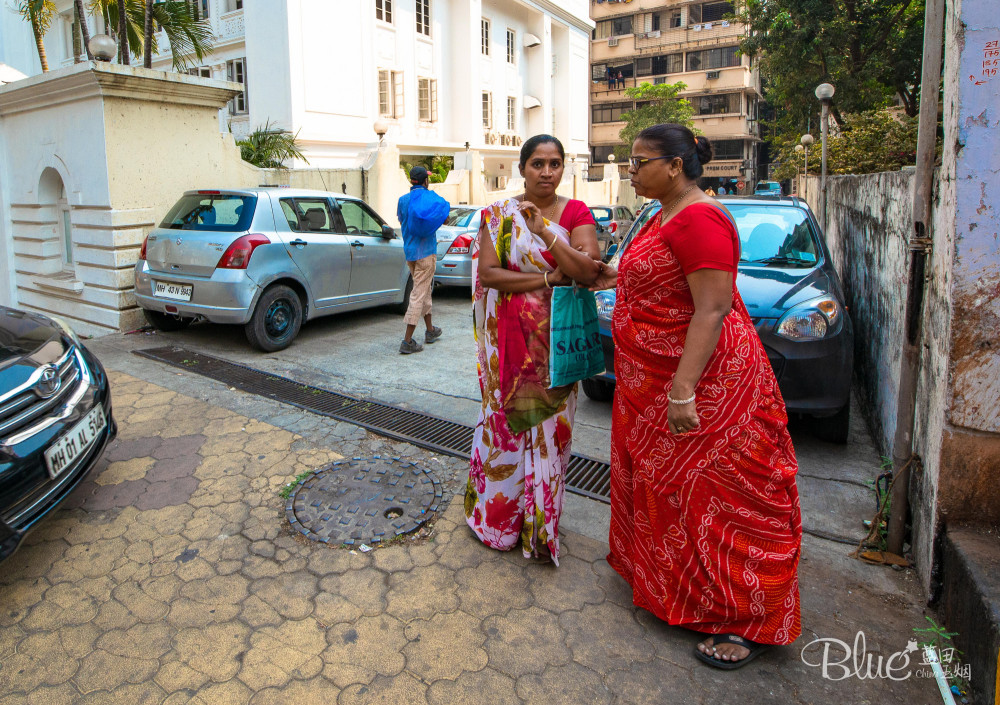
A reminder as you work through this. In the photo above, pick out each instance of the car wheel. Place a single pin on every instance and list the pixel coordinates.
(598, 389)
(276, 320)
(836, 428)
(407, 290)
(165, 322)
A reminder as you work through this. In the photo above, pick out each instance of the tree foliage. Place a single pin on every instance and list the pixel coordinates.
(869, 50)
(190, 37)
(867, 142)
(437, 167)
(268, 147)
(655, 104)
(39, 14)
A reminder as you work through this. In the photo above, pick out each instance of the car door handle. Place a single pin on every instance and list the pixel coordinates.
(357, 243)
(297, 242)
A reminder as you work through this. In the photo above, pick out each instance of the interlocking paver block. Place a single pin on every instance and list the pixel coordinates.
(290, 595)
(604, 637)
(421, 593)
(364, 588)
(444, 646)
(485, 687)
(215, 650)
(125, 470)
(386, 691)
(283, 653)
(360, 651)
(568, 685)
(571, 587)
(511, 641)
(493, 588)
(101, 670)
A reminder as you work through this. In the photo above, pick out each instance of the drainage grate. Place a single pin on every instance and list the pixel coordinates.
(584, 476)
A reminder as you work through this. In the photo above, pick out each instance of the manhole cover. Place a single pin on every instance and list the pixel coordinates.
(363, 500)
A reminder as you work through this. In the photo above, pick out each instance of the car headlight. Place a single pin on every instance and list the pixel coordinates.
(64, 327)
(605, 304)
(812, 320)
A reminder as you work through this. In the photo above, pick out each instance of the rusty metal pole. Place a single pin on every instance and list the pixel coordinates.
(920, 241)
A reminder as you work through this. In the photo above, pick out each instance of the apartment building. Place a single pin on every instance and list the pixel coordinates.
(666, 41)
(440, 76)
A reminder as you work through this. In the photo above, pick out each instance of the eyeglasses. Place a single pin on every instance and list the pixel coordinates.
(636, 162)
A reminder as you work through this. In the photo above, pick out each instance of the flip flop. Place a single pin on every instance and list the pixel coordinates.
(717, 639)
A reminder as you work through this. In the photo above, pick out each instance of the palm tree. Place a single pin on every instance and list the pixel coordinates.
(39, 13)
(147, 36)
(268, 147)
(188, 35)
(82, 19)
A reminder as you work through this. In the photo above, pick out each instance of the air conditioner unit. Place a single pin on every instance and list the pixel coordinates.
(713, 74)
(613, 41)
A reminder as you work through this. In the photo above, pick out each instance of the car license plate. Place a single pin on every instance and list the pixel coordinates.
(61, 454)
(166, 290)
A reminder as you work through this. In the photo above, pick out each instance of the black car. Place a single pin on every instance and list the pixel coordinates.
(794, 296)
(55, 419)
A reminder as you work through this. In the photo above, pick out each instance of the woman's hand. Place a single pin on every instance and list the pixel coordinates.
(606, 279)
(532, 217)
(557, 278)
(682, 418)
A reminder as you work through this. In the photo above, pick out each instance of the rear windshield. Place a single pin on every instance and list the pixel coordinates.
(768, 234)
(601, 213)
(460, 217)
(227, 213)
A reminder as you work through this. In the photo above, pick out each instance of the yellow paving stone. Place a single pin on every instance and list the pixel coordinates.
(605, 637)
(258, 567)
(568, 685)
(79, 641)
(125, 470)
(257, 613)
(99, 588)
(324, 561)
(315, 690)
(114, 615)
(40, 659)
(422, 554)
(365, 588)
(161, 397)
(570, 587)
(133, 694)
(226, 444)
(18, 598)
(211, 522)
(147, 421)
(147, 600)
(392, 559)
(63, 604)
(218, 590)
(334, 609)
(185, 613)
(225, 425)
(9, 638)
(216, 466)
(182, 424)
(139, 552)
(179, 676)
(280, 654)
(402, 690)
(444, 646)
(149, 640)
(291, 595)
(421, 593)
(214, 650)
(62, 694)
(360, 651)
(97, 558)
(509, 639)
(485, 687)
(493, 588)
(232, 692)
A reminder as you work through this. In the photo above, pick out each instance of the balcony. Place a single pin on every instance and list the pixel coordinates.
(694, 36)
(621, 47)
(610, 8)
(729, 79)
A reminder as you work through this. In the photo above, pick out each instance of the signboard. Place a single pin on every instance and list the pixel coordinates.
(740, 185)
(731, 168)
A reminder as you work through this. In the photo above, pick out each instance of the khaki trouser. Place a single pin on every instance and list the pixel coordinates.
(423, 281)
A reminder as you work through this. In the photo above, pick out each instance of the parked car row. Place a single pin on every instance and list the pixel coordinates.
(795, 299)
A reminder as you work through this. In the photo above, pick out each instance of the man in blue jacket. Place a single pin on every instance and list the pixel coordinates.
(421, 212)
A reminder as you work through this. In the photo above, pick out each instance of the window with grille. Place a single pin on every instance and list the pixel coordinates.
(709, 59)
(718, 104)
(511, 46)
(383, 10)
(727, 149)
(485, 36)
(511, 114)
(424, 17)
(236, 71)
(233, 5)
(487, 110)
(609, 112)
(655, 65)
(427, 99)
(203, 71)
(613, 28)
(599, 155)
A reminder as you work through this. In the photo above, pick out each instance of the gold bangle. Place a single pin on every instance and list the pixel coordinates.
(549, 246)
(545, 278)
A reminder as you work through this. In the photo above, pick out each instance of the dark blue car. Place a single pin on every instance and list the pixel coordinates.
(794, 296)
(55, 419)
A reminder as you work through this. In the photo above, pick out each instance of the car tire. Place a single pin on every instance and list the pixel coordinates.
(598, 389)
(836, 428)
(165, 322)
(407, 290)
(276, 320)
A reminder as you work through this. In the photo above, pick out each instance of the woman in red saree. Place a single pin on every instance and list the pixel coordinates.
(705, 522)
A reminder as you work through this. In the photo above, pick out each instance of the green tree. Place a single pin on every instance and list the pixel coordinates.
(437, 167)
(190, 38)
(867, 142)
(268, 147)
(869, 49)
(655, 104)
(39, 13)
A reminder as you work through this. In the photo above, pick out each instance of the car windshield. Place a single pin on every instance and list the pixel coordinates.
(769, 234)
(460, 217)
(215, 211)
(601, 213)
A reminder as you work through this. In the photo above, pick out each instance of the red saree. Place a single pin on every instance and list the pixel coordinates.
(705, 526)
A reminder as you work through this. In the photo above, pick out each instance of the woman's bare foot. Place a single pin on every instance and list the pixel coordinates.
(726, 652)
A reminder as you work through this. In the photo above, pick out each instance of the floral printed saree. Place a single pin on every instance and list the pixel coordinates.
(525, 429)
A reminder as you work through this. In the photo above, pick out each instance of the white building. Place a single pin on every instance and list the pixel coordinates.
(442, 75)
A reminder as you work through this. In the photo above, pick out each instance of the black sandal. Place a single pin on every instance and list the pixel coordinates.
(717, 639)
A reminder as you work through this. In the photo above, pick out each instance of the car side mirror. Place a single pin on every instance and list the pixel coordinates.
(387, 232)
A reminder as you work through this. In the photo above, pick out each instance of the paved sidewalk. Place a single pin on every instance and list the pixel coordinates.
(172, 577)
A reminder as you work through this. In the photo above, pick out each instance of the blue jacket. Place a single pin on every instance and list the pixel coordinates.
(421, 212)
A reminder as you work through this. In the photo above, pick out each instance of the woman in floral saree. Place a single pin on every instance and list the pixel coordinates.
(521, 445)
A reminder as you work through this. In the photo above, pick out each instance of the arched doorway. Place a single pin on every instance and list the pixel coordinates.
(56, 213)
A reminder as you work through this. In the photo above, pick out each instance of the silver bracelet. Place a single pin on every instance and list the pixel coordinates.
(681, 402)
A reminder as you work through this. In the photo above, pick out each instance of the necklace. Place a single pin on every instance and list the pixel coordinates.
(666, 213)
(552, 210)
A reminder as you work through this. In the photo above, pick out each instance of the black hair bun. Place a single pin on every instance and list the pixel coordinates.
(703, 148)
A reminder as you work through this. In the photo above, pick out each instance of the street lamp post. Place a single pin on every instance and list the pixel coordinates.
(805, 141)
(798, 150)
(824, 92)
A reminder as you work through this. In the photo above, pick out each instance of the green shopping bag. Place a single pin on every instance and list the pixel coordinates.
(575, 350)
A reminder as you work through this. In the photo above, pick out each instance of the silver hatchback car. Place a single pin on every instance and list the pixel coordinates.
(454, 246)
(268, 259)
